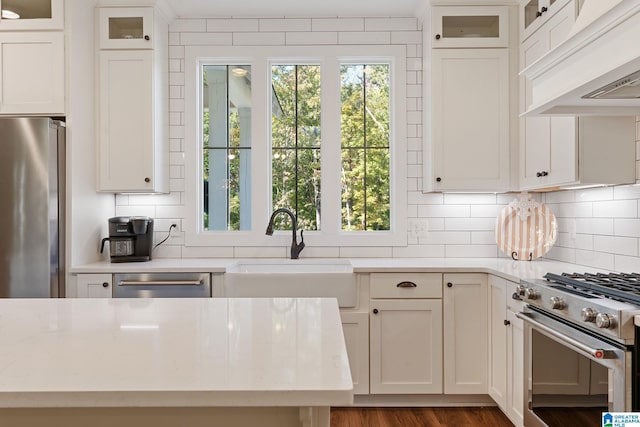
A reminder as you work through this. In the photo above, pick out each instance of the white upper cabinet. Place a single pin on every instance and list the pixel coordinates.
(470, 116)
(126, 28)
(534, 13)
(464, 26)
(32, 72)
(31, 15)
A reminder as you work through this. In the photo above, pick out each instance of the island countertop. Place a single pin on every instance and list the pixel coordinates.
(172, 352)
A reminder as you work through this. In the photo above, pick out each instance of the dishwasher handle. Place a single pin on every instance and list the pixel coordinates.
(160, 283)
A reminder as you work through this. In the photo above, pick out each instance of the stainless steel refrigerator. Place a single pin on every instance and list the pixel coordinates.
(32, 166)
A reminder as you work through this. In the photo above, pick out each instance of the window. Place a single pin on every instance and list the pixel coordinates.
(226, 145)
(364, 95)
(321, 134)
(295, 143)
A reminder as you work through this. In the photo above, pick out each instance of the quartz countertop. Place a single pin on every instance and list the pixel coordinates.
(503, 267)
(172, 352)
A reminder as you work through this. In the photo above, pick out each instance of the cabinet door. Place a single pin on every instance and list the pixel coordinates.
(465, 334)
(515, 367)
(406, 346)
(467, 26)
(126, 121)
(355, 327)
(94, 285)
(32, 73)
(470, 119)
(126, 27)
(32, 15)
(498, 341)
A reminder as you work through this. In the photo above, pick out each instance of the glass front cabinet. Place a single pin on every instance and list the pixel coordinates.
(534, 13)
(468, 26)
(31, 15)
(126, 28)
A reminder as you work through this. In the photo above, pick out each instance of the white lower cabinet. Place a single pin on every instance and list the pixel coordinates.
(355, 327)
(94, 285)
(506, 358)
(406, 333)
(465, 333)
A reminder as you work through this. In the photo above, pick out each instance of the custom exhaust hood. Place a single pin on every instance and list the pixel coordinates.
(596, 70)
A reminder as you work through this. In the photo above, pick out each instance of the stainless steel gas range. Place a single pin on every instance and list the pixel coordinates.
(581, 347)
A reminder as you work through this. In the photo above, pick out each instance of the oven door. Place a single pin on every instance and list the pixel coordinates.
(571, 376)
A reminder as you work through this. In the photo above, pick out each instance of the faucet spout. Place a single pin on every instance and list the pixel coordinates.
(295, 247)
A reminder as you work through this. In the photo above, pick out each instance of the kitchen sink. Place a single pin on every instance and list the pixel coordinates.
(292, 278)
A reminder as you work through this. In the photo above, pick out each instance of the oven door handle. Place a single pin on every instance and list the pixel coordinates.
(595, 353)
(160, 283)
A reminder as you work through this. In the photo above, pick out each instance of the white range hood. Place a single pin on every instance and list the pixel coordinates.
(596, 70)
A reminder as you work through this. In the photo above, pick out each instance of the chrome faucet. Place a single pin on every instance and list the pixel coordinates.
(295, 247)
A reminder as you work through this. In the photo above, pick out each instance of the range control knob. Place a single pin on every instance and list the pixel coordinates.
(604, 320)
(520, 290)
(588, 314)
(557, 303)
(532, 293)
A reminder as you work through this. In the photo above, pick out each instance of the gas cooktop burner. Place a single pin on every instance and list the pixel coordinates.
(621, 286)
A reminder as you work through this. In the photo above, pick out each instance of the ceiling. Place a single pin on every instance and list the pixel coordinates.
(292, 8)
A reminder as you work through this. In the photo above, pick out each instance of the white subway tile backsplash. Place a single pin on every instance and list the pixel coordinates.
(623, 192)
(364, 38)
(470, 199)
(616, 209)
(616, 245)
(309, 38)
(277, 25)
(261, 252)
(559, 197)
(426, 198)
(187, 25)
(391, 24)
(337, 24)
(436, 224)
(626, 264)
(406, 37)
(419, 251)
(626, 227)
(207, 252)
(446, 238)
(594, 225)
(599, 260)
(155, 199)
(258, 39)
(176, 184)
(483, 238)
(232, 25)
(471, 251)
(320, 252)
(169, 211)
(469, 224)
(131, 210)
(366, 252)
(444, 211)
(562, 254)
(594, 194)
(210, 39)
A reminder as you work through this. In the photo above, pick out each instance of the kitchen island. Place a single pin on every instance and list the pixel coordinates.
(165, 362)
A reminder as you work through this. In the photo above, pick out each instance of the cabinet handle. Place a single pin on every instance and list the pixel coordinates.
(538, 174)
(538, 14)
(449, 285)
(544, 9)
(375, 311)
(406, 285)
(147, 180)
(545, 173)
(507, 323)
(437, 36)
(438, 179)
(146, 37)
(105, 284)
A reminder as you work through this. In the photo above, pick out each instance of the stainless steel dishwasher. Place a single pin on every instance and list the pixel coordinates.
(162, 285)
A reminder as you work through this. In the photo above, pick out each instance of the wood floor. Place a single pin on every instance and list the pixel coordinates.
(418, 417)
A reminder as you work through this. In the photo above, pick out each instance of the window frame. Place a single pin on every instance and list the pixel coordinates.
(261, 58)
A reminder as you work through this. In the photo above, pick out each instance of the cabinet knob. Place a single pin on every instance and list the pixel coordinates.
(507, 323)
(438, 179)
(538, 174)
(105, 284)
(146, 37)
(545, 173)
(544, 9)
(538, 14)
(449, 285)
(437, 36)
(375, 311)
(147, 180)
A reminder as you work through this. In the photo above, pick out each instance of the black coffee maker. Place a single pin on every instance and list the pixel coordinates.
(130, 238)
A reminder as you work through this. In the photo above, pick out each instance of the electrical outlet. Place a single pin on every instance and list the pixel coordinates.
(418, 227)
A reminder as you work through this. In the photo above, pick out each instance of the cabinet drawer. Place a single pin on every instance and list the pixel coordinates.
(406, 285)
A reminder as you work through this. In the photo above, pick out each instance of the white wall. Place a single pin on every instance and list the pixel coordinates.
(87, 211)
(460, 225)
